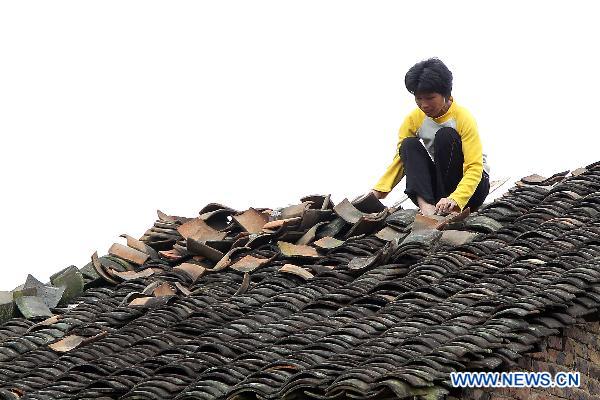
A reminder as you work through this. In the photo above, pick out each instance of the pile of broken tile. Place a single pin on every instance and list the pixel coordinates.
(315, 300)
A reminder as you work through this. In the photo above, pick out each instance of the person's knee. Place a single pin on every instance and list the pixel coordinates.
(446, 135)
(408, 145)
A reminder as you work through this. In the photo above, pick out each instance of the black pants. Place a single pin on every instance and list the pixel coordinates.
(435, 180)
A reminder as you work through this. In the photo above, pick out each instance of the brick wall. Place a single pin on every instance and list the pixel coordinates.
(577, 349)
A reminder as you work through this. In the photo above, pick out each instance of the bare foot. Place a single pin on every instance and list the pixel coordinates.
(428, 209)
(425, 207)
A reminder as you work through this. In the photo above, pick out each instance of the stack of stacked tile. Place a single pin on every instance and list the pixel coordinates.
(317, 300)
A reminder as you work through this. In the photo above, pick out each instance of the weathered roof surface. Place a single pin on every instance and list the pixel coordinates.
(316, 300)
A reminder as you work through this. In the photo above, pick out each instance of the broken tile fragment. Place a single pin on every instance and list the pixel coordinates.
(401, 218)
(73, 341)
(295, 211)
(482, 223)
(578, 171)
(71, 280)
(361, 262)
(31, 282)
(328, 242)
(280, 224)
(47, 322)
(215, 207)
(292, 250)
(455, 238)
(164, 217)
(128, 253)
(164, 289)
(369, 204)
(90, 274)
(290, 236)
(388, 234)
(49, 294)
(312, 217)
(203, 249)
(199, 230)
(130, 275)
(244, 286)
(139, 245)
(217, 215)
(251, 220)
(173, 254)
(348, 212)
(319, 201)
(32, 307)
(67, 343)
(116, 263)
(149, 290)
(536, 179)
(332, 228)
(7, 306)
(194, 271)
(368, 223)
(185, 291)
(426, 237)
(296, 270)
(140, 301)
(426, 222)
(310, 235)
(454, 217)
(100, 269)
(249, 263)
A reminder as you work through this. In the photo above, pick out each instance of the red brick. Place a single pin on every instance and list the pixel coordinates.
(507, 392)
(594, 356)
(562, 368)
(524, 363)
(579, 394)
(522, 393)
(595, 344)
(580, 335)
(594, 371)
(556, 342)
(571, 345)
(571, 331)
(569, 359)
(539, 355)
(543, 396)
(565, 358)
(557, 392)
(593, 327)
(539, 366)
(592, 385)
(478, 394)
(581, 365)
(552, 356)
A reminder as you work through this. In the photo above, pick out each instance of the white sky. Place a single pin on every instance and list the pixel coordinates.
(110, 110)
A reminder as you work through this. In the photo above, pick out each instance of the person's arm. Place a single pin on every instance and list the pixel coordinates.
(395, 171)
(473, 160)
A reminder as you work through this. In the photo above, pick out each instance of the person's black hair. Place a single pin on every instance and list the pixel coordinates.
(429, 76)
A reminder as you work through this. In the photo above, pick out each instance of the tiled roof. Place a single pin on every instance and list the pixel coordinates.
(314, 300)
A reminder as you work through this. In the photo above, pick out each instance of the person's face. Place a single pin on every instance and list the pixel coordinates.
(432, 104)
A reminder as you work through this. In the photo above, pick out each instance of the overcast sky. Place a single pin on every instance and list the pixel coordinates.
(110, 110)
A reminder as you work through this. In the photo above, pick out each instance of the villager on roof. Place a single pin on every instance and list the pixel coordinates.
(439, 149)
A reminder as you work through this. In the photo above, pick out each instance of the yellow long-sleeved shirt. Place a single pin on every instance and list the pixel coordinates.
(417, 124)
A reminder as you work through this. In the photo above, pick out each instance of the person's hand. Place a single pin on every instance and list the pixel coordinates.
(378, 194)
(445, 205)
